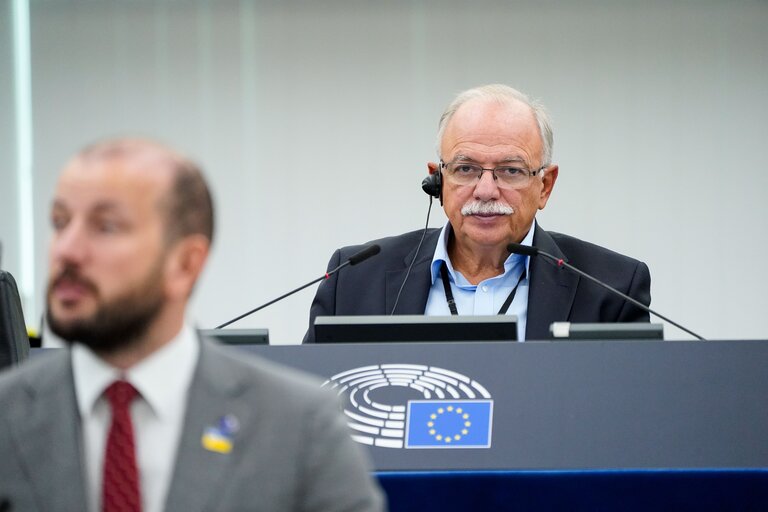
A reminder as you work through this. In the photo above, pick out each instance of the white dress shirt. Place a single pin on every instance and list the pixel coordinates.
(163, 381)
(486, 297)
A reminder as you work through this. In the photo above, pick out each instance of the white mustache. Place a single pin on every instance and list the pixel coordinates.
(486, 208)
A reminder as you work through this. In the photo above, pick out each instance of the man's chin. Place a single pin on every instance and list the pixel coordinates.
(487, 235)
(69, 328)
(108, 327)
(68, 319)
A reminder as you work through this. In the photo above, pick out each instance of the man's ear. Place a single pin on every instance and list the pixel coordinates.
(548, 181)
(184, 264)
(432, 167)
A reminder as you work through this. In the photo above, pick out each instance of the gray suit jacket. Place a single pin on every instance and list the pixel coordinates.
(555, 294)
(292, 452)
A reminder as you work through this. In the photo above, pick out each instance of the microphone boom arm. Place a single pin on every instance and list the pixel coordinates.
(562, 264)
(356, 258)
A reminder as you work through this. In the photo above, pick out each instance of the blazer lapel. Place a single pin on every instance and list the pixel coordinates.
(552, 289)
(201, 472)
(413, 299)
(46, 428)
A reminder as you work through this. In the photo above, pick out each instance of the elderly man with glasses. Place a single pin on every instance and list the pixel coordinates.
(494, 173)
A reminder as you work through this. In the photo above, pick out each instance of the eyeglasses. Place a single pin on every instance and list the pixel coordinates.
(505, 176)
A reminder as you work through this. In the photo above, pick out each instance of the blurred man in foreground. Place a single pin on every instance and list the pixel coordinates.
(140, 414)
(495, 172)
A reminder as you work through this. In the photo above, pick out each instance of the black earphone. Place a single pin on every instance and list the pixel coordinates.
(433, 184)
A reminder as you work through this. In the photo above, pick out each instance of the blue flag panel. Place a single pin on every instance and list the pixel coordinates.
(449, 424)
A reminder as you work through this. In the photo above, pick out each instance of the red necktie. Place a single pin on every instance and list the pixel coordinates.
(120, 491)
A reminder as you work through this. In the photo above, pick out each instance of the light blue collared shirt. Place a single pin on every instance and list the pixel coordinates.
(487, 297)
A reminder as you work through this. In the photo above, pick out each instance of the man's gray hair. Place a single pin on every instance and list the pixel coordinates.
(503, 94)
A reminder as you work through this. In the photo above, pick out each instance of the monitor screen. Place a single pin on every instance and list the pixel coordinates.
(407, 328)
(238, 336)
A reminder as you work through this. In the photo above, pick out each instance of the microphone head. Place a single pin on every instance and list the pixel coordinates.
(525, 250)
(371, 250)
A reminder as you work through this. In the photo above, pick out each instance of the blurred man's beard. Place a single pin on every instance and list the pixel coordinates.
(117, 324)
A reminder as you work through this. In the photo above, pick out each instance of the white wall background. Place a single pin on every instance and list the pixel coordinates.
(315, 119)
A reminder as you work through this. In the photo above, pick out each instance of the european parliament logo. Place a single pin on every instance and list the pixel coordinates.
(415, 406)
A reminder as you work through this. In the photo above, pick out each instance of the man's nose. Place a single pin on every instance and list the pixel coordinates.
(486, 187)
(69, 243)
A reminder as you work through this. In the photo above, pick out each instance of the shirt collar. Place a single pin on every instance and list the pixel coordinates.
(158, 386)
(441, 254)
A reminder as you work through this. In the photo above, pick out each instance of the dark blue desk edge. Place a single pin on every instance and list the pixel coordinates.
(588, 490)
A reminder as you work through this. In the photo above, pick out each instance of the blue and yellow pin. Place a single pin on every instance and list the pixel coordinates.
(220, 438)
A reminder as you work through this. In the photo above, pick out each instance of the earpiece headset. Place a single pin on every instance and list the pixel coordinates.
(433, 184)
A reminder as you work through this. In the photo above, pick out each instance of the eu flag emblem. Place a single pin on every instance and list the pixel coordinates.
(449, 424)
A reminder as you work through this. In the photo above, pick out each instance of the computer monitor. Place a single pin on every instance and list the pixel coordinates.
(408, 328)
(238, 336)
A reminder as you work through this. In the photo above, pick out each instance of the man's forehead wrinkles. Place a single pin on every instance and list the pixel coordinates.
(509, 141)
(490, 155)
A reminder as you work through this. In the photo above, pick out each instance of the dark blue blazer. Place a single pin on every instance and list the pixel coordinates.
(555, 294)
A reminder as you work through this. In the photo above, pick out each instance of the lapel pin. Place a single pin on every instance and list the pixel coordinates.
(219, 438)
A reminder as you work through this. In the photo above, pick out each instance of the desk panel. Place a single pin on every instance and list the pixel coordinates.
(584, 405)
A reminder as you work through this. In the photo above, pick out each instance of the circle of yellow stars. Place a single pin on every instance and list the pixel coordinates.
(449, 409)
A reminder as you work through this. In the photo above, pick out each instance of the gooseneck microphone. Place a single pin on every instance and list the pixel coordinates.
(358, 257)
(527, 250)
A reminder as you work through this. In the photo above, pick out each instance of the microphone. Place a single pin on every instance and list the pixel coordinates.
(358, 257)
(527, 250)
